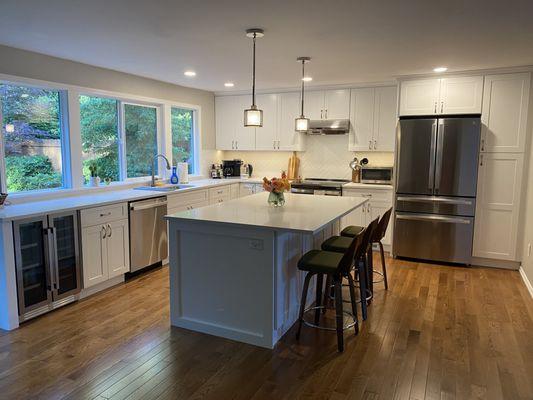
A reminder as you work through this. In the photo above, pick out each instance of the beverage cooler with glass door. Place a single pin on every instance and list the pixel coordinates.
(47, 262)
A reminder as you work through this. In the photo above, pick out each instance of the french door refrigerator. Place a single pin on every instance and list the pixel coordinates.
(436, 183)
(47, 262)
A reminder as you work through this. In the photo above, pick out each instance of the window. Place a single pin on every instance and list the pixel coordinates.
(99, 137)
(141, 139)
(183, 136)
(32, 138)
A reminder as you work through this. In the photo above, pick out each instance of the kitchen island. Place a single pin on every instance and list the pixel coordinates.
(233, 266)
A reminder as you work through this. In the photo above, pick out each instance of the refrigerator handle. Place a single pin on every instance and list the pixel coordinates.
(55, 265)
(438, 166)
(51, 258)
(432, 150)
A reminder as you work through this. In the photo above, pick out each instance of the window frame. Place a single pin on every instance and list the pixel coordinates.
(196, 140)
(63, 118)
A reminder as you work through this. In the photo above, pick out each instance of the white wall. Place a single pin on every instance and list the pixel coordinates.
(325, 157)
(527, 260)
(38, 66)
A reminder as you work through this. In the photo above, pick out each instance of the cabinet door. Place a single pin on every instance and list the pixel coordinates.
(289, 110)
(385, 119)
(234, 191)
(94, 255)
(498, 206)
(419, 97)
(357, 217)
(362, 120)
(266, 137)
(118, 248)
(377, 209)
(244, 136)
(461, 95)
(504, 117)
(225, 122)
(337, 104)
(314, 105)
(246, 189)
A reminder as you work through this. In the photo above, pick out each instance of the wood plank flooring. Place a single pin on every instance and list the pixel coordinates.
(439, 332)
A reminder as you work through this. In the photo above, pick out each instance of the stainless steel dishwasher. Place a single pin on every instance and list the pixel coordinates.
(148, 232)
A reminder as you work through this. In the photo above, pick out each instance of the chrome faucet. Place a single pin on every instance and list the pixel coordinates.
(153, 166)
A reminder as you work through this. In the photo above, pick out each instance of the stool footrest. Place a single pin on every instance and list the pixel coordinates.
(326, 328)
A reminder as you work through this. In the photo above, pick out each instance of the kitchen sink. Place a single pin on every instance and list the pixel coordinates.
(164, 188)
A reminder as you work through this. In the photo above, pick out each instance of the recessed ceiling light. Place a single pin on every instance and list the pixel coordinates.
(24, 95)
(229, 84)
(307, 79)
(189, 73)
(440, 69)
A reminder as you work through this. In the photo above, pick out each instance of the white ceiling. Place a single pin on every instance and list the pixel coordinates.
(349, 41)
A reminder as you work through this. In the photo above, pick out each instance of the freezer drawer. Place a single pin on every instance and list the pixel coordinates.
(433, 237)
(458, 206)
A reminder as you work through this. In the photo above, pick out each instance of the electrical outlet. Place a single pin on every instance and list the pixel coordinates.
(529, 250)
(256, 244)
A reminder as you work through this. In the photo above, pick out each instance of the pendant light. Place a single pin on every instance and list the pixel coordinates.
(253, 116)
(302, 123)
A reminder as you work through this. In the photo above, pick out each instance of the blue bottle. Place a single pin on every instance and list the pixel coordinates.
(174, 176)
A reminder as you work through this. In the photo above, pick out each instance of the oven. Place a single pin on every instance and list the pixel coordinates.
(377, 175)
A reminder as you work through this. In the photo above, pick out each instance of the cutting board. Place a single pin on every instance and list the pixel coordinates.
(294, 166)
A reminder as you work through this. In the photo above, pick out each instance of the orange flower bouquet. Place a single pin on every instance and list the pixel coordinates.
(276, 187)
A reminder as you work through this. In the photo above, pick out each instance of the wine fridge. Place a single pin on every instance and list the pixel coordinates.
(47, 263)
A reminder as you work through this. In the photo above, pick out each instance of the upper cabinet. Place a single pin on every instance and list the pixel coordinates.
(327, 104)
(373, 119)
(266, 136)
(460, 95)
(231, 134)
(288, 110)
(504, 117)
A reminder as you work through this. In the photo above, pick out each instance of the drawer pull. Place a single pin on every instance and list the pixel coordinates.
(107, 214)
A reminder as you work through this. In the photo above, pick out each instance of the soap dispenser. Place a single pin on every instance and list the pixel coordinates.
(174, 176)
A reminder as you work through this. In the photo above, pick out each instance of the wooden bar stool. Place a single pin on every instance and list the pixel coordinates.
(340, 244)
(379, 234)
(337, 266)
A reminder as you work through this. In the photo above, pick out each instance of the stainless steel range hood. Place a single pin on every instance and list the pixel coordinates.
(329, 127)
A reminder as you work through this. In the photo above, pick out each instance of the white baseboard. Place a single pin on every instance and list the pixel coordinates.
(86, 292)
(526, 281)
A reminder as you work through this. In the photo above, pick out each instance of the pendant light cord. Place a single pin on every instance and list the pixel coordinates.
(303, 74)
(253, 75)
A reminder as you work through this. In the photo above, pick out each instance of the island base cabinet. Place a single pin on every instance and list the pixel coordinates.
(105, 249)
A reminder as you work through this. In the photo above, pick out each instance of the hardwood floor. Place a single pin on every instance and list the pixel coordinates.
(439, 332)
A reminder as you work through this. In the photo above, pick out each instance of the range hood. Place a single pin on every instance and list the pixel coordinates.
(329, 127)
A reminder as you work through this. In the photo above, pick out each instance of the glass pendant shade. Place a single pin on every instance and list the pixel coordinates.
(302, 124)
(253, 117)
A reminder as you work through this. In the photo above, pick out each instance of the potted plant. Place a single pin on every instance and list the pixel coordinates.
(94, 180)
(277, 187)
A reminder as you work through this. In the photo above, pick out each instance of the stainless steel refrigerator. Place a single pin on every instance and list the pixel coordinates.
(436, 183)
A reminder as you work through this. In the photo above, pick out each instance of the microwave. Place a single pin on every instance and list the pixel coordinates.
(377, 175)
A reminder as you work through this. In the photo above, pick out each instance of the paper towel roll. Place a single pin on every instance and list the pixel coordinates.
(183, 172)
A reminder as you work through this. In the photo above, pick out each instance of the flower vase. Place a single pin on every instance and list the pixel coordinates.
(276, 199)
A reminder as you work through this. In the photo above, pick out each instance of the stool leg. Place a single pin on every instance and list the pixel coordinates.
(383, 266)
(319, 283)
(337, 281)
(354, 304)
(369, 272)
(302, 304)
(327, 293)
(361, 266)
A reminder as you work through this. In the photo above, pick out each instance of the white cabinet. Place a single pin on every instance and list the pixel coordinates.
(266, 137)
(219, 194)
(461, 95)
(327, 104)
(105, 244)
(498, 205)
(187, 201)
(231, 134)
(373, 119)
(504, 117)
(234, 190)
(246, 189)
(288, 110)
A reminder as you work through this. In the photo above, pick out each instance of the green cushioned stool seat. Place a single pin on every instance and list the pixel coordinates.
(319, 261)
(338, 244)
(352, 231)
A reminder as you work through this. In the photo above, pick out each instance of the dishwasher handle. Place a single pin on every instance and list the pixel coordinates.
(139, 207)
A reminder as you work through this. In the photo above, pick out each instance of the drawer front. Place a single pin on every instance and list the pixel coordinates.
(100, 215)
(379, 194)
(220, 191)
(187, 207)
(220, 199)
(183, 199)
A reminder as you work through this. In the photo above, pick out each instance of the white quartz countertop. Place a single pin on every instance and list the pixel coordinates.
(99, 198)
(353, 185)
(303, 214)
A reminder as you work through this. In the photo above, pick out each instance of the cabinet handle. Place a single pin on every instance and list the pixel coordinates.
(107, 214)
(435, 109)
(482, 144)
(110, 233)
(326, 112)
(278, 144)
(236, 145)
(441, 107)
(481, 160)
(375, 144)
(321, 114)
(104, 232)
(370, 145)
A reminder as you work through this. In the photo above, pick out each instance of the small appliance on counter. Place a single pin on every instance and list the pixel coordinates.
(376, 175)
(319, 186)
(232, 168)
(246, 170)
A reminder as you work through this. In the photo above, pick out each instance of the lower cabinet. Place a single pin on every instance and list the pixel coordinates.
(498, 206)
(105, 248)
(247, 189)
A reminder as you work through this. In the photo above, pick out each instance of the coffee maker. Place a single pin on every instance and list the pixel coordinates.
(232, 168)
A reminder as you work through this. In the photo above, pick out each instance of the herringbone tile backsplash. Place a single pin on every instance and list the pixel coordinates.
(324, 157)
